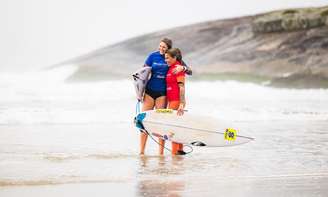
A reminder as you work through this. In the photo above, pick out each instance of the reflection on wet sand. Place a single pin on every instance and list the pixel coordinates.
(151, 168)
(161, 165)
(148, 188)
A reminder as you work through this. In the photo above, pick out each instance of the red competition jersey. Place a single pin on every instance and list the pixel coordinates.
(172, 87)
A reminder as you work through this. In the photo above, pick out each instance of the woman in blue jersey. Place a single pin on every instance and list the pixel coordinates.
(155, 94)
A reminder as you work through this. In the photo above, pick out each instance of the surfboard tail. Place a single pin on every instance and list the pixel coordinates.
(138, 120)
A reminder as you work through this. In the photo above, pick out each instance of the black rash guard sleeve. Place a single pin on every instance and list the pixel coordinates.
(188, 71)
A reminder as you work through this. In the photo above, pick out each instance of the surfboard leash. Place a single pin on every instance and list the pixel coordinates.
(142, 129)
(138, 107)
(185, 153)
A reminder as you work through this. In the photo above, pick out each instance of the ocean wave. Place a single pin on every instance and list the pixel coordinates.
(49, 100)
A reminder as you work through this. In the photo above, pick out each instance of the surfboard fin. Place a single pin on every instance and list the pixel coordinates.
(198, 143)
(181, 152)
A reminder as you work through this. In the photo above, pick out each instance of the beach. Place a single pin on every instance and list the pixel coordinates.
(59, 138)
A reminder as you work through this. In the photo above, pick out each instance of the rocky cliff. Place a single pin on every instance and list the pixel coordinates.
(282, 48)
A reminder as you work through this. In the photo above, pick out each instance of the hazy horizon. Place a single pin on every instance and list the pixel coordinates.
(42, 33)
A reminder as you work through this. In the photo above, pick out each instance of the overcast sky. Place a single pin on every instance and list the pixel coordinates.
(39, 33)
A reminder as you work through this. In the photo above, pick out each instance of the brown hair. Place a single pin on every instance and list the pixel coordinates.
(168, 42)
(175, 53)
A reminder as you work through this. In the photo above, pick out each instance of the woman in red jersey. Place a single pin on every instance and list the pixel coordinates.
(175, 90)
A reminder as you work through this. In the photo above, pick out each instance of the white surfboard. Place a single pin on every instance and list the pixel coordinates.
(140, 79)
(189, 128)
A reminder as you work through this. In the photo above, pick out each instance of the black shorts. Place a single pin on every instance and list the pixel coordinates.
(155, 94)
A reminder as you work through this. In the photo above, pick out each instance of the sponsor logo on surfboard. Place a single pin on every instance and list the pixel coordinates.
(165, 136)
(157, 135)
(164, 111)
(230, 134)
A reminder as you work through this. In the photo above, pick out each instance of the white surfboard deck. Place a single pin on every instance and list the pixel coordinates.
(140, 79)
(189, 128)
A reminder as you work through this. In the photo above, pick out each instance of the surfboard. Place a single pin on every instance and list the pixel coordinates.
(189, 128)
(140, 79)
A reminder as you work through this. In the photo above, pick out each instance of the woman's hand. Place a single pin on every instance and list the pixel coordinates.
(178, 69)
(180, 110)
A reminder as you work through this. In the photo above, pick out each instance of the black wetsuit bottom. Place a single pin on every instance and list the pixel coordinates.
(155, 94)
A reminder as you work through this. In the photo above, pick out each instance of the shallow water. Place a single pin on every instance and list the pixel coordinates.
(79, 139)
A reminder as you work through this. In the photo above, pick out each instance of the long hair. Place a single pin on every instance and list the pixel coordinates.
(168, 42)
(175, 53)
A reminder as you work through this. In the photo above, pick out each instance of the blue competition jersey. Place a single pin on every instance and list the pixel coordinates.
(158, 72)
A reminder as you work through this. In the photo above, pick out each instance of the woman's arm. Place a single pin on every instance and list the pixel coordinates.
(187, 68)
(181, 83)
(183, 68)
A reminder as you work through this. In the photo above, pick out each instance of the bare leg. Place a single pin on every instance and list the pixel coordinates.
(143, 140)
(175, 146)
(160, 103)
(148, 104)
(161, 146)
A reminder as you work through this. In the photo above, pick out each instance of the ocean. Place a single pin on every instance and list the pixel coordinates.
(60, 138)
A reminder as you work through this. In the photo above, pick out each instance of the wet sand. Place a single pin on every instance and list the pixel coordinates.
(53, 160)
